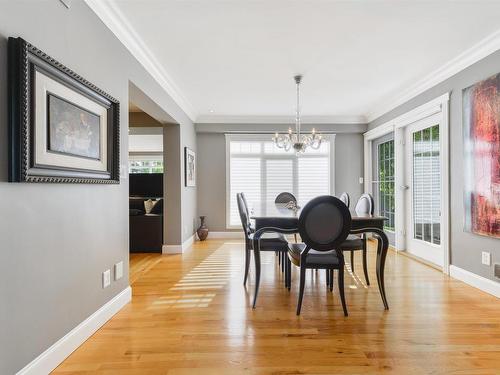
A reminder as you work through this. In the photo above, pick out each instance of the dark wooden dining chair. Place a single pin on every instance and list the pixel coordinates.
(324, 224)
(364, 206)
(268, 241)
(344, 197)
(285, 197)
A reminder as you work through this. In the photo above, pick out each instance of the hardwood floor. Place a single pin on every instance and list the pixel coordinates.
(190, 314)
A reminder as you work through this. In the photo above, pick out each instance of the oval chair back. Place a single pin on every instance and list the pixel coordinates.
(245, 203)
(365, 205)
(344, 197)
(285, 197)
(324, 223)
(245, 222)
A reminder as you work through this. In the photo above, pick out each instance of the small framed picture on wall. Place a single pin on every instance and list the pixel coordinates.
(189, 167)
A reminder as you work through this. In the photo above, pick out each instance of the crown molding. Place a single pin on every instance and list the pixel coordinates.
(228, 119)
(470, 56)
(114, 19)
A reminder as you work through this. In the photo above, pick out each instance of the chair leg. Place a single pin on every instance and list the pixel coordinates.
(278, 254)
(289, 264)
(285, 261)
(341, 288)
(247, 264)
(295, 236)
(282, 261)
(301, 287)
(327, 274)
(256, 255)
(331, 279)
(352, 260)
(365, 266)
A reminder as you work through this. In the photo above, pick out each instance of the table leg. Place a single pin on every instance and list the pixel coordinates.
(382, 247)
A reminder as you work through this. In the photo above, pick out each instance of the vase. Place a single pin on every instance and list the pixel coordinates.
(202, 231)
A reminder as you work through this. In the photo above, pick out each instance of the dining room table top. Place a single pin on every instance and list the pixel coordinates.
(280, 210)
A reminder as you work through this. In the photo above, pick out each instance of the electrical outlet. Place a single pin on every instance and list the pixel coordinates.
(118, 270)
(486, 258)
(361, 180)
(106, 278)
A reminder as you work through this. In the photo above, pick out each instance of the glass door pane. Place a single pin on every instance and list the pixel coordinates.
(426, 185)
(385, 183)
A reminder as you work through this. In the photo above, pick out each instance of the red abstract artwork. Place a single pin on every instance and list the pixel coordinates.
(481, 110)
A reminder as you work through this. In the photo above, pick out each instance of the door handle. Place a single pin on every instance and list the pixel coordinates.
(404, 187)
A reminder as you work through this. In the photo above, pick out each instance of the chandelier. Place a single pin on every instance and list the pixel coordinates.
(298, 140)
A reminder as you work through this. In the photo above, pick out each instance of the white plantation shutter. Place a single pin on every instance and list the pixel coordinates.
(279, 177)
(256, 167)
(313, 178)
(245, 176)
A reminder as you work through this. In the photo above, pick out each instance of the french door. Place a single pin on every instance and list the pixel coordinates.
(423, 190)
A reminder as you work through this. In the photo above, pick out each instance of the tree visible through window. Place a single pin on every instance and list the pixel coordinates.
(145, 166)
(386, 182)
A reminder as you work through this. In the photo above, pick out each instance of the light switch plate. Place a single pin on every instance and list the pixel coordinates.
(118, 270)
(361, 180)
(486, 258)
(106, 278)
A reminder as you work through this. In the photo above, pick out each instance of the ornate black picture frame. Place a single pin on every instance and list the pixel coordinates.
(62, 128)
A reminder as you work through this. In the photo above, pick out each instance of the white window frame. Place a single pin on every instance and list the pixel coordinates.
(267, 137)
(438, 106)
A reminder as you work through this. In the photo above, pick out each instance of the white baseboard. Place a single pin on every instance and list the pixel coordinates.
(222, 235)
(188, 243)
(177, 249)
(53, 356)
(486, 285)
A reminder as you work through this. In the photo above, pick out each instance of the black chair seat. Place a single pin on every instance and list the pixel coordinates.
(272, 242)
(313, 257)
(352, 242)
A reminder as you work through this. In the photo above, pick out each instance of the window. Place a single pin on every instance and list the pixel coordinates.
(385, 182)
(145, 163)
(258, 168)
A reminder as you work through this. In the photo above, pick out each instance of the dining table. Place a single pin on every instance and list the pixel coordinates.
(284, 218)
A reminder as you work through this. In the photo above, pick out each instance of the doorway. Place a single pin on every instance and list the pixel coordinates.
(407, 171)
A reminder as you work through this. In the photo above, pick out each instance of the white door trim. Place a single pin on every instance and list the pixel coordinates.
(369, 137)
(439, 105)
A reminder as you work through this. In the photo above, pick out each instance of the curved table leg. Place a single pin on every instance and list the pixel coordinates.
(382, 247)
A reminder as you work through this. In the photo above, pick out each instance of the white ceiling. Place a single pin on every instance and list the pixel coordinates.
(237, 58)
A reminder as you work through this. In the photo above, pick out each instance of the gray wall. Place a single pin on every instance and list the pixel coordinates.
(55, 240)
(465, 247)
(211, 156)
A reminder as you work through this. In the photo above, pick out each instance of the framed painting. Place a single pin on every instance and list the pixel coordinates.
(62, 128)
(481, 119)
(189, 167)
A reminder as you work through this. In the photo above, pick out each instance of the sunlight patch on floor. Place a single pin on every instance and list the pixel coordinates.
(355, 278)
(210, 275)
